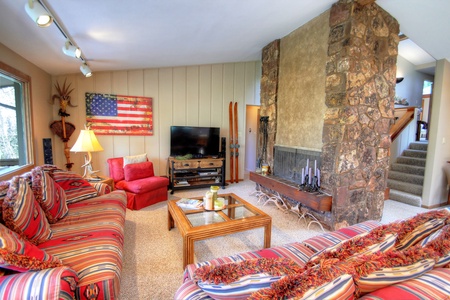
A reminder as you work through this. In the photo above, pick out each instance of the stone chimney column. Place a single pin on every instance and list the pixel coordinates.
(360, 90)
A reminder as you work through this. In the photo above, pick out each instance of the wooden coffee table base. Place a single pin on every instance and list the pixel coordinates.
(191, 234)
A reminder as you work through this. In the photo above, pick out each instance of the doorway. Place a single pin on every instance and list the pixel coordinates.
(251, 137)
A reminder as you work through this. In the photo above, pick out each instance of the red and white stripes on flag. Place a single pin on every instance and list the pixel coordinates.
(110, 114)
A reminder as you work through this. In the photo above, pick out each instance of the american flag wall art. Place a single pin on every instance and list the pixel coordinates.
(110, 114)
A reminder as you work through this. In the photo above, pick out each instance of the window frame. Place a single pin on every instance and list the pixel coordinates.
(27, 121)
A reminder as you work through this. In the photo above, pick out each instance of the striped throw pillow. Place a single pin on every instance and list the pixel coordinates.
(49, 195)
(75, 187)
(20, 255)
(22, 212)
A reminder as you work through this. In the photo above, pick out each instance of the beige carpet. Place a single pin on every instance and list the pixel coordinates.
(152, 267)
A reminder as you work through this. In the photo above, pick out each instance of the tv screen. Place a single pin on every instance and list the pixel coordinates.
(197, 141)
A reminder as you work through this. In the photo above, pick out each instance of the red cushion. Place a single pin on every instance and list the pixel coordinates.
(145, 185)
(116, 168)
(75, 187)
(22, 213)
(138, 171)
(50, 195)
(20, 255)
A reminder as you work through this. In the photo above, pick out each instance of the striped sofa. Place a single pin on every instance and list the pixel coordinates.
(60, 237)
(407, 259)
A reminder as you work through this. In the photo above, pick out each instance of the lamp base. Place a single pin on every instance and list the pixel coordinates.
(88, 172)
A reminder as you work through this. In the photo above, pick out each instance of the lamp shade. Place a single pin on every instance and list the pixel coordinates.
(86, 142)
(38, 13)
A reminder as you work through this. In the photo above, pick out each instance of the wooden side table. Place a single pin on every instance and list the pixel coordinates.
(107, 180)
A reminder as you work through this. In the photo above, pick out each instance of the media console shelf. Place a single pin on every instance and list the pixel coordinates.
(196, 173)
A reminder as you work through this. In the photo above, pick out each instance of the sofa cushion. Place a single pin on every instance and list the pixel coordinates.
(240, 280)
(134, 159)
(144, 185)
(23, 214)
(240, 289)
(426, 287)
(4, 186)
(387, 276)
(329, 239)
(440, 242)
(49, 195)
(90, 241)
(20, 255)
(419, 233)
(339, 288)
(116, 168)
(75, 187)
(138, 171)
(296, 252)
(54, 283)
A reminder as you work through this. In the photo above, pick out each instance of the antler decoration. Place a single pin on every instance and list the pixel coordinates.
(63, 97)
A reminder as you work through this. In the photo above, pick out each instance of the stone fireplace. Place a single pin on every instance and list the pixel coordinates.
(345, 105)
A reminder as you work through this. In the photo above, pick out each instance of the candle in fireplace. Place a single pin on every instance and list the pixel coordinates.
(315, 167)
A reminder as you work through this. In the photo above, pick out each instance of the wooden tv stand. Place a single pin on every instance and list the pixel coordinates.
(196, 173)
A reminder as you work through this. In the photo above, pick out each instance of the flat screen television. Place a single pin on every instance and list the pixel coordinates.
(197, 141)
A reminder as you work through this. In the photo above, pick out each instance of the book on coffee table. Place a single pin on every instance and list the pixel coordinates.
(190, 203)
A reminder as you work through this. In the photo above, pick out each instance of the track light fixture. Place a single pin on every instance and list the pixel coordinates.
(86, 70)
(38, 13)
(43, 17)
(71, 50)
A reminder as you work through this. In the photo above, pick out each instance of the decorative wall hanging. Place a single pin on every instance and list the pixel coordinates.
(62, 128)
(108, 114)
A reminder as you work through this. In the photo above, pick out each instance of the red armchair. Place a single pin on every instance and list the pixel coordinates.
(138, 180)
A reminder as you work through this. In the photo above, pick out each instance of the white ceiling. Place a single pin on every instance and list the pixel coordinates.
(136, 34)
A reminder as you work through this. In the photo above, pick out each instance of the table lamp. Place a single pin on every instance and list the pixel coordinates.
(87, 142)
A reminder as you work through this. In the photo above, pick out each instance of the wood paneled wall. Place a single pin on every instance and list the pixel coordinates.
(189, 95)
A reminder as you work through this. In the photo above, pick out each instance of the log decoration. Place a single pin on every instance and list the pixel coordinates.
(62, 128)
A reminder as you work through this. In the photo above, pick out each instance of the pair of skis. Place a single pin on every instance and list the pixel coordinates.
(234, 143)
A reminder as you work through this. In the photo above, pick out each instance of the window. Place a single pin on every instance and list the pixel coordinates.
(15, 115)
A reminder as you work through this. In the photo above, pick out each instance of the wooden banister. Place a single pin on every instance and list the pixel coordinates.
(401, 123)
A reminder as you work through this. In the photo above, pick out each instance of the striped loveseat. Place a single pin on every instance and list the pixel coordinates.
(407, 259)
(61, 237)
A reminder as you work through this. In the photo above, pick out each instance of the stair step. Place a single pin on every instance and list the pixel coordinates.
(408, 169)
(411, 161)
(407, 198)
(419, 146)
(415, 153)
(405, 187)
(406, 177)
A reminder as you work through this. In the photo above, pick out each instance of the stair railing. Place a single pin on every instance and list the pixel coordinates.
(401, 123)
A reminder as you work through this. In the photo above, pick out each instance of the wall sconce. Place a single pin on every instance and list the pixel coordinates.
(399, 79)
(86, 70)
(38, 13)
(71, 50)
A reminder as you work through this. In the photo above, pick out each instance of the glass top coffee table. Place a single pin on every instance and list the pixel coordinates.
(200, 224)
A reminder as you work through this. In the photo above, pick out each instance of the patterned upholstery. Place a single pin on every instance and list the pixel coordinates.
(90, 241)
(81, 258)
(55, 283)
(300, 253)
